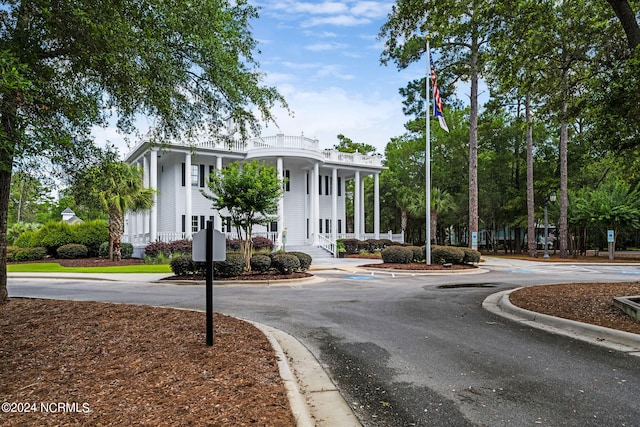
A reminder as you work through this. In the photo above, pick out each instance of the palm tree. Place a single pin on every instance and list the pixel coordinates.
(441, 203)
(119, 188)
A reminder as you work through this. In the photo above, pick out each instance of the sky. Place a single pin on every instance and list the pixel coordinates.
(324, 58)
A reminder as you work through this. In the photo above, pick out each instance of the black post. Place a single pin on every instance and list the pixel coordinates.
(209, 282)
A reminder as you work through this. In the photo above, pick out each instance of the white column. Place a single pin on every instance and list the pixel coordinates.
(334, 207)
(356, 205)
(188, 196)
(217, 219)
(362, 216)
(146, 174)
(153, 184)
(376, 205)
(316, 203)
(280, 168)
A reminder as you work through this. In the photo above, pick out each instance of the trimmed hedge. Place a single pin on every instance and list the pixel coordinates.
(72, 251)
(126, 250)
(260, 263)
(446, 254)
(11, 253)
(27, 239)
(31, 254)
(397, 255)
(91, 234)
(285, 263)
(471, 256)
(305, 260)
(232, 266)
(55, 234)
(351, 245)
(419, 253)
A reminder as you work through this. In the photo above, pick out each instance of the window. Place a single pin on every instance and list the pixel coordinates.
(184, 222)
(339, 186)
(320, 184)
(184, 167)
(339, 224)
(287, 179)
(195, 172)
(320, 229)
(211, 169)
(202, 225)
(307, 175)
(202, 176)
(307, 228)
(326, 185)
(327, 226)
(226, 224)
(194, 223)
(273, 226)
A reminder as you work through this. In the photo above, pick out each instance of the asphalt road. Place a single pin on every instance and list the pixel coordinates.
(414, 350)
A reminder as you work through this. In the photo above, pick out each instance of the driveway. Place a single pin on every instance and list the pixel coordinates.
(420, 350)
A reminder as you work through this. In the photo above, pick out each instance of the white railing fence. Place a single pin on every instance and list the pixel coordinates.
(327, 244)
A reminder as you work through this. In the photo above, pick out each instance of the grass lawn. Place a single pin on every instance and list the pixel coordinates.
(54, 267)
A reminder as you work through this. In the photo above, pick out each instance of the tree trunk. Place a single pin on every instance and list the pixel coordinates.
(628, 20)
(434, 225)
(531, 212)
(116, 227)
(563, 231)
(473, 143)
(8, 120)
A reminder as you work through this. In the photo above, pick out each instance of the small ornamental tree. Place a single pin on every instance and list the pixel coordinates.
(249, 192)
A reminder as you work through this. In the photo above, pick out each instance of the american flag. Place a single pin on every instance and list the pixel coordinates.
(437, 101)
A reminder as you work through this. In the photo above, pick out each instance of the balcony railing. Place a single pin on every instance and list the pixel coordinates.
(275, 141)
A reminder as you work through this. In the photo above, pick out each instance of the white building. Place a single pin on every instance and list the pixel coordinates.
(311, 211)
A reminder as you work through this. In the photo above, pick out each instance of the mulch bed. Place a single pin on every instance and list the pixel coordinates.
(250, 275)
(584, 302)
(420, 266)
(113, 364)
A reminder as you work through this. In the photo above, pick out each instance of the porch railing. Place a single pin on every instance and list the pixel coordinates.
(327, 244)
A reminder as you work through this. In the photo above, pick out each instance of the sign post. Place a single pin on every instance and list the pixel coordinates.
(209, 245)
(610, 241)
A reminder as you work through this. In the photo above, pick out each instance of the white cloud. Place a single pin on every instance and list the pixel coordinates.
(324, 46)
(338, 20)
(327, 113)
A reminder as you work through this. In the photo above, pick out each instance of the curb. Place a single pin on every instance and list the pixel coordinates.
(314, 398)
(614, 339)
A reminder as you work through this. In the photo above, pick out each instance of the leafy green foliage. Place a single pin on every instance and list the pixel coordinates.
(260, 263)
(285, 263)
(91, 234)
(30, 254)
(55, 234)
(447, 254)
(231, 267)
(249, 192)
(305, 260)
(397, 255)
(72, 251)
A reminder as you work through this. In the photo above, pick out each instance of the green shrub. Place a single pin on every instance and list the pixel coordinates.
(419, 253)
(446, 254)
(260, 263)
(305, 260)
(17, 229)
(11, 253)
(91, 234)
(471, 256)
(126, 250)
(182, 265)
(27, 239)
(384, 243)
(232, 266)
(103, 250)
(72, 251)
(31, 254)
(55, 234)
(351, 245)
(363, 246)
(285, 263)
(397, 255)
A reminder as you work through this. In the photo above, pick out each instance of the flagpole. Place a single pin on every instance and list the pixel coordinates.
(427, 162)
